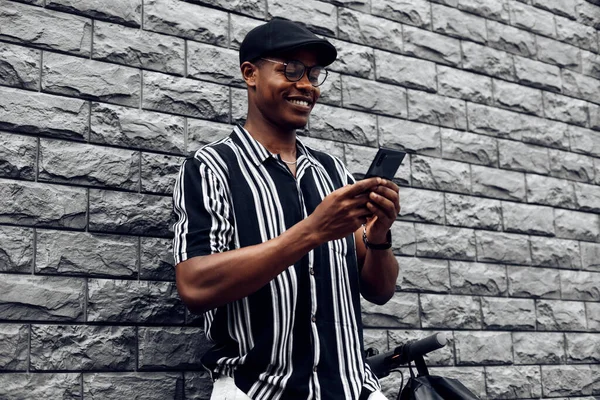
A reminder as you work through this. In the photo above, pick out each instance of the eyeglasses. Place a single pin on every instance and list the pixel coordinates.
(294, 71)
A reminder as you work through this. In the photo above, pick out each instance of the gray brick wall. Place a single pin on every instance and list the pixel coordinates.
(499, 234)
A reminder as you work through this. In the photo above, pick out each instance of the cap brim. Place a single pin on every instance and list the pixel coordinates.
(325, 51)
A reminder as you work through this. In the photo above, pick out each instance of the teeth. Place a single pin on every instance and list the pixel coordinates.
(299, 102)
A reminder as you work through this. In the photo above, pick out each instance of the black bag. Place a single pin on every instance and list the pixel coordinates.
(431, 387)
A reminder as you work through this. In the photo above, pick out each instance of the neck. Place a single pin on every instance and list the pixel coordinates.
(275, 139)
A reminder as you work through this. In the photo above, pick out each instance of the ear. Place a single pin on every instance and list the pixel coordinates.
(249, 72)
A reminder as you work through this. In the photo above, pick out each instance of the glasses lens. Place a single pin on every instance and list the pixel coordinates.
(317, 75)
(294, 70)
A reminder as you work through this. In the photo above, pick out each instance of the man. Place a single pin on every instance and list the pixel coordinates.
(269, 238)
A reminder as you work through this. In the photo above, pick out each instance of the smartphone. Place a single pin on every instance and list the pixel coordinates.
(386, 163)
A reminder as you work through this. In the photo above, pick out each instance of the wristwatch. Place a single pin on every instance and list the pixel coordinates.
(381, 246)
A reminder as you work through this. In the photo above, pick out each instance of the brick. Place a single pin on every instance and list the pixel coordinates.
(590, 64)
(32, 203)
(438, 174)
(187, 20)
(335, 149)
(409, 136)
(560, 7)
(127, 12)
(239, 106)
(581, 86)
(16, 249)
(431, 46)
(40, 386)
(445, 242)
(472, 212)
(586, 12)
(580, 285)
(529, 219)
(571, 166)
(453, 22)
(513, 382)
(558, 53)
(356, 156)
(213, 63)
(138, 48)
(41, 298)
(128, 385)
(316, 15)
(402, 311)
(443, 356)
(94, 80)
(254, 8)
(590, 256)
(593, 316)
(450, 312)
(487, 60)
(491, 9)
(369, 30)
(17, 156)
(159, 172)
(478, 278)
(532, 19)
(343, 125)
(421, 205)
(367, 95)
(19, 66)
(198, 385)
(185, 96)
(555, 253)
(376, 338)
(558, 315)
(517, 97)
(587, 197)
(201, 132)
(550, 191)
(422, 274)
(128, 301)
(44, 114)
(14, 347)
(353, 59)
(405, 71)
(239, 27)
(46, 29)
(171, 348)
(472, 377)
(583, 347)
(511, 39)
(130, 213)
(539, 348)
(60, 252)
(469, 147)
(566, 380)
(495, 121)
(577, 225)
(331, 91)
(134, 128)
(585, 141)
(508, 314)
(84, 164)
(414, 12)
(533, 282)
(523, 157)
(537, 74)
(403, 238)
(576, 34)
(507, 248)
(72, 347)
(157, 261)
(464, 85)
(437, 110)
(499, 184)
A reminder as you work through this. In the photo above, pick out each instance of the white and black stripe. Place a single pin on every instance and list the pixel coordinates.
(234, 193)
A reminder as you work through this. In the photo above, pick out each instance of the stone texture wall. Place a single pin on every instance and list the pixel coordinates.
(498, 102)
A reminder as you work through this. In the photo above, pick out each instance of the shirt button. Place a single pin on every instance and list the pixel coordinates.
(315, 368)
(313, 319)
(311, 271)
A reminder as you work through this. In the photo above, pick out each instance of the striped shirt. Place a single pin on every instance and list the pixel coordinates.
(299, 336)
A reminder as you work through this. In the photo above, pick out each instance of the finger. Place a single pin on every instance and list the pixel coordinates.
(387, 193)
(387, 206)
(390, 184)
(361, 186)
(379, 213)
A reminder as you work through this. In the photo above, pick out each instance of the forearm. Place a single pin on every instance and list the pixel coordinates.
(378, 276)
(214, 280)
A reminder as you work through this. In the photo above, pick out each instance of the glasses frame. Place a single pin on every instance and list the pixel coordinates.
(306, 70)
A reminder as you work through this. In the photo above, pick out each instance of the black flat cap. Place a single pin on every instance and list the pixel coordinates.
(279, 35)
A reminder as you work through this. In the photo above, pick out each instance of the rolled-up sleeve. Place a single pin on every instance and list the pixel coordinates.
(204, 219)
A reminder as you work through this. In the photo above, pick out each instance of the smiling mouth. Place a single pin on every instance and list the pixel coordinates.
(302, 103)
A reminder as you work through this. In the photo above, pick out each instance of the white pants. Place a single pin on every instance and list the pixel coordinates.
(224, 389)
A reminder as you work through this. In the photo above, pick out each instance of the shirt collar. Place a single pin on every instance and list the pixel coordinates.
(259, 153)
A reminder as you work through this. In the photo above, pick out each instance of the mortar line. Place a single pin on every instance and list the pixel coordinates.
(139, 256)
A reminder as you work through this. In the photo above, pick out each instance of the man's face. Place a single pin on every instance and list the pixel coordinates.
(285, 104)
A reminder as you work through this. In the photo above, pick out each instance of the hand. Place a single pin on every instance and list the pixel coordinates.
(384, 205)
(343, 211)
